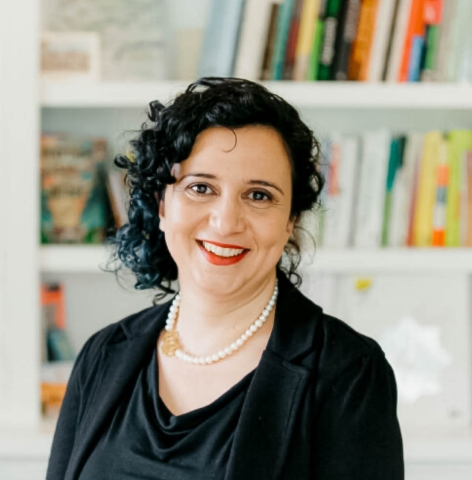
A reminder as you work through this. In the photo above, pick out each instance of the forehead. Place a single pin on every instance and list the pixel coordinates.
(253, 148)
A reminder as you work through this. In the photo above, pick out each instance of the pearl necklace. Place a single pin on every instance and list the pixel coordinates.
(171, 344)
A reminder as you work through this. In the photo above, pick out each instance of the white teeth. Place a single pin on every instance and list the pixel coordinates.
(222, 252)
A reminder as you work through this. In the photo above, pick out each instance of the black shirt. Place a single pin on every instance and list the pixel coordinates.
(144, 441)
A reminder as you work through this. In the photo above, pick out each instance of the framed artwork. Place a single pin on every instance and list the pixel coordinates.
(70, 56)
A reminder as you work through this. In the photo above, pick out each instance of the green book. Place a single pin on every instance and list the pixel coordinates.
(327, 49)
(283, 27)
(312, 73)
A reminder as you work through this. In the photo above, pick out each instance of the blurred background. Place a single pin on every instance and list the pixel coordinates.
(385, 86)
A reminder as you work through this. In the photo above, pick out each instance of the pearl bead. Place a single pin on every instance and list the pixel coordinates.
(259, 323)
(253, 328)
(234, 347)
(249, 332)
(208, 359)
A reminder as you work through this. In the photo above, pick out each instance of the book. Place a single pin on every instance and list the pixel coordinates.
(292, 40)
(424, 209)
(348, 34)
(220, 39)
(381, 32)
(468, 199)
(394, 164)
(331, 21)
(315, 54)
(373, 176)
(308, 24)
(440, 205)
(119, 197)
(460, 141)
(283, 28)
(433, 19)
(344, 164)
(398, 41)
(74, 200)
(413, 42)
(254, 30)
(360, 54)
(440, 74)
(266, 69)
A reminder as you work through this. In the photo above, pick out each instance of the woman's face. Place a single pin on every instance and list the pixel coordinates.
(227, 217)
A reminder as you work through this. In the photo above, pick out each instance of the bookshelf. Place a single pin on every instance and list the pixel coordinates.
(32, 104)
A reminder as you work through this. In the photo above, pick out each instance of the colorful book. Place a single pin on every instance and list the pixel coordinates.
(74, 199)
(309, 20)
(442, 181)
(314, 61)
(221, 37)
(381, 32)
(360, 55)
(349, 21)
(331, 22)
(460, 142)
(255, 26)
(424, 209)
(283, 28)
(413, 43)
(394, 164)
(292, 40)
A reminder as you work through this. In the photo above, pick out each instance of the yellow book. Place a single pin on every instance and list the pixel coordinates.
(460, 141)
(306, 35)
(423, 223)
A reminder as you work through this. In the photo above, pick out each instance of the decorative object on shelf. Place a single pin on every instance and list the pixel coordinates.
(70, 56)
(74, 201)
(132, 33)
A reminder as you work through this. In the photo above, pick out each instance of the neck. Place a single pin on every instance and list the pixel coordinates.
(206, 321)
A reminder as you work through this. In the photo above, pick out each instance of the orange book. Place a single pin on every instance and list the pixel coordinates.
(53, 296)
(361, 48)
(416, 27)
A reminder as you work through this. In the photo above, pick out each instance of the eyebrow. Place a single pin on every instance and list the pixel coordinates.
(251, 182)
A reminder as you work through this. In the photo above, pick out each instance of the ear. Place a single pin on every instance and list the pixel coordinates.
(290, 226)
(161, 210)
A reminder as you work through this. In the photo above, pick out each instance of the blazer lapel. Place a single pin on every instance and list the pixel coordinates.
(276, 392)
(267, 419)
(120, 363)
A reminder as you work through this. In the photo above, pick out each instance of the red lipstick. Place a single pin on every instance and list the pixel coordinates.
(221, 261)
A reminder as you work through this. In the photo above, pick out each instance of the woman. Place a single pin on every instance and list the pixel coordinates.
(238, 376)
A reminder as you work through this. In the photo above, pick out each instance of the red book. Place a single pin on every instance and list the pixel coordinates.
(416, 27)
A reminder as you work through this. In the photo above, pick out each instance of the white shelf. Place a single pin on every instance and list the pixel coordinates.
(301, 94)
(88, 259)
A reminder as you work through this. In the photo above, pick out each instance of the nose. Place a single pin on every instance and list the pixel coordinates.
(227, 216)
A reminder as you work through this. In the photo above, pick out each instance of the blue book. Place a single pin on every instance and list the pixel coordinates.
(283, 28)
(221, 38)
(415, 58)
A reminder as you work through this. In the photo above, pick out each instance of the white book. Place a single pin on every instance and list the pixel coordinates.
(398, 41)
(382, 28)
(403, 190)
(255, 25)
(372, 185)
(339, 220)
(220, 40)
(445, 33)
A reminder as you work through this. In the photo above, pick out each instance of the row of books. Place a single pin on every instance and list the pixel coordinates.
(360, 40)
(82, 200)
(57, 352)
(385, 190)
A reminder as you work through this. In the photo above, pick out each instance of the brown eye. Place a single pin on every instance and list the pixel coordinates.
(259, 196)
(200, 188)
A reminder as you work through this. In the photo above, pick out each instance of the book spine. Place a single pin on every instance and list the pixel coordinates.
(255, 25)
(439, 219)
(411, 44)
(309, 20)
(468, 163)
(445, 35)
(266, 69)
(333, 9)
(360, 55)
(380, 41)
(312, 73)
(221, 38)
(283, 26)
(347, 35)
(292, 40)
(430, 59)
(399, 34)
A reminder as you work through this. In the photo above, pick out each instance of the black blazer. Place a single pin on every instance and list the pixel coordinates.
(321, 405)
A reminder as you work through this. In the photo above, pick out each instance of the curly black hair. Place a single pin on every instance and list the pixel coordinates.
(211, 101)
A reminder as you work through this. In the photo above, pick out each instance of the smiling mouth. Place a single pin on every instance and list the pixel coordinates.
(223, 251)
